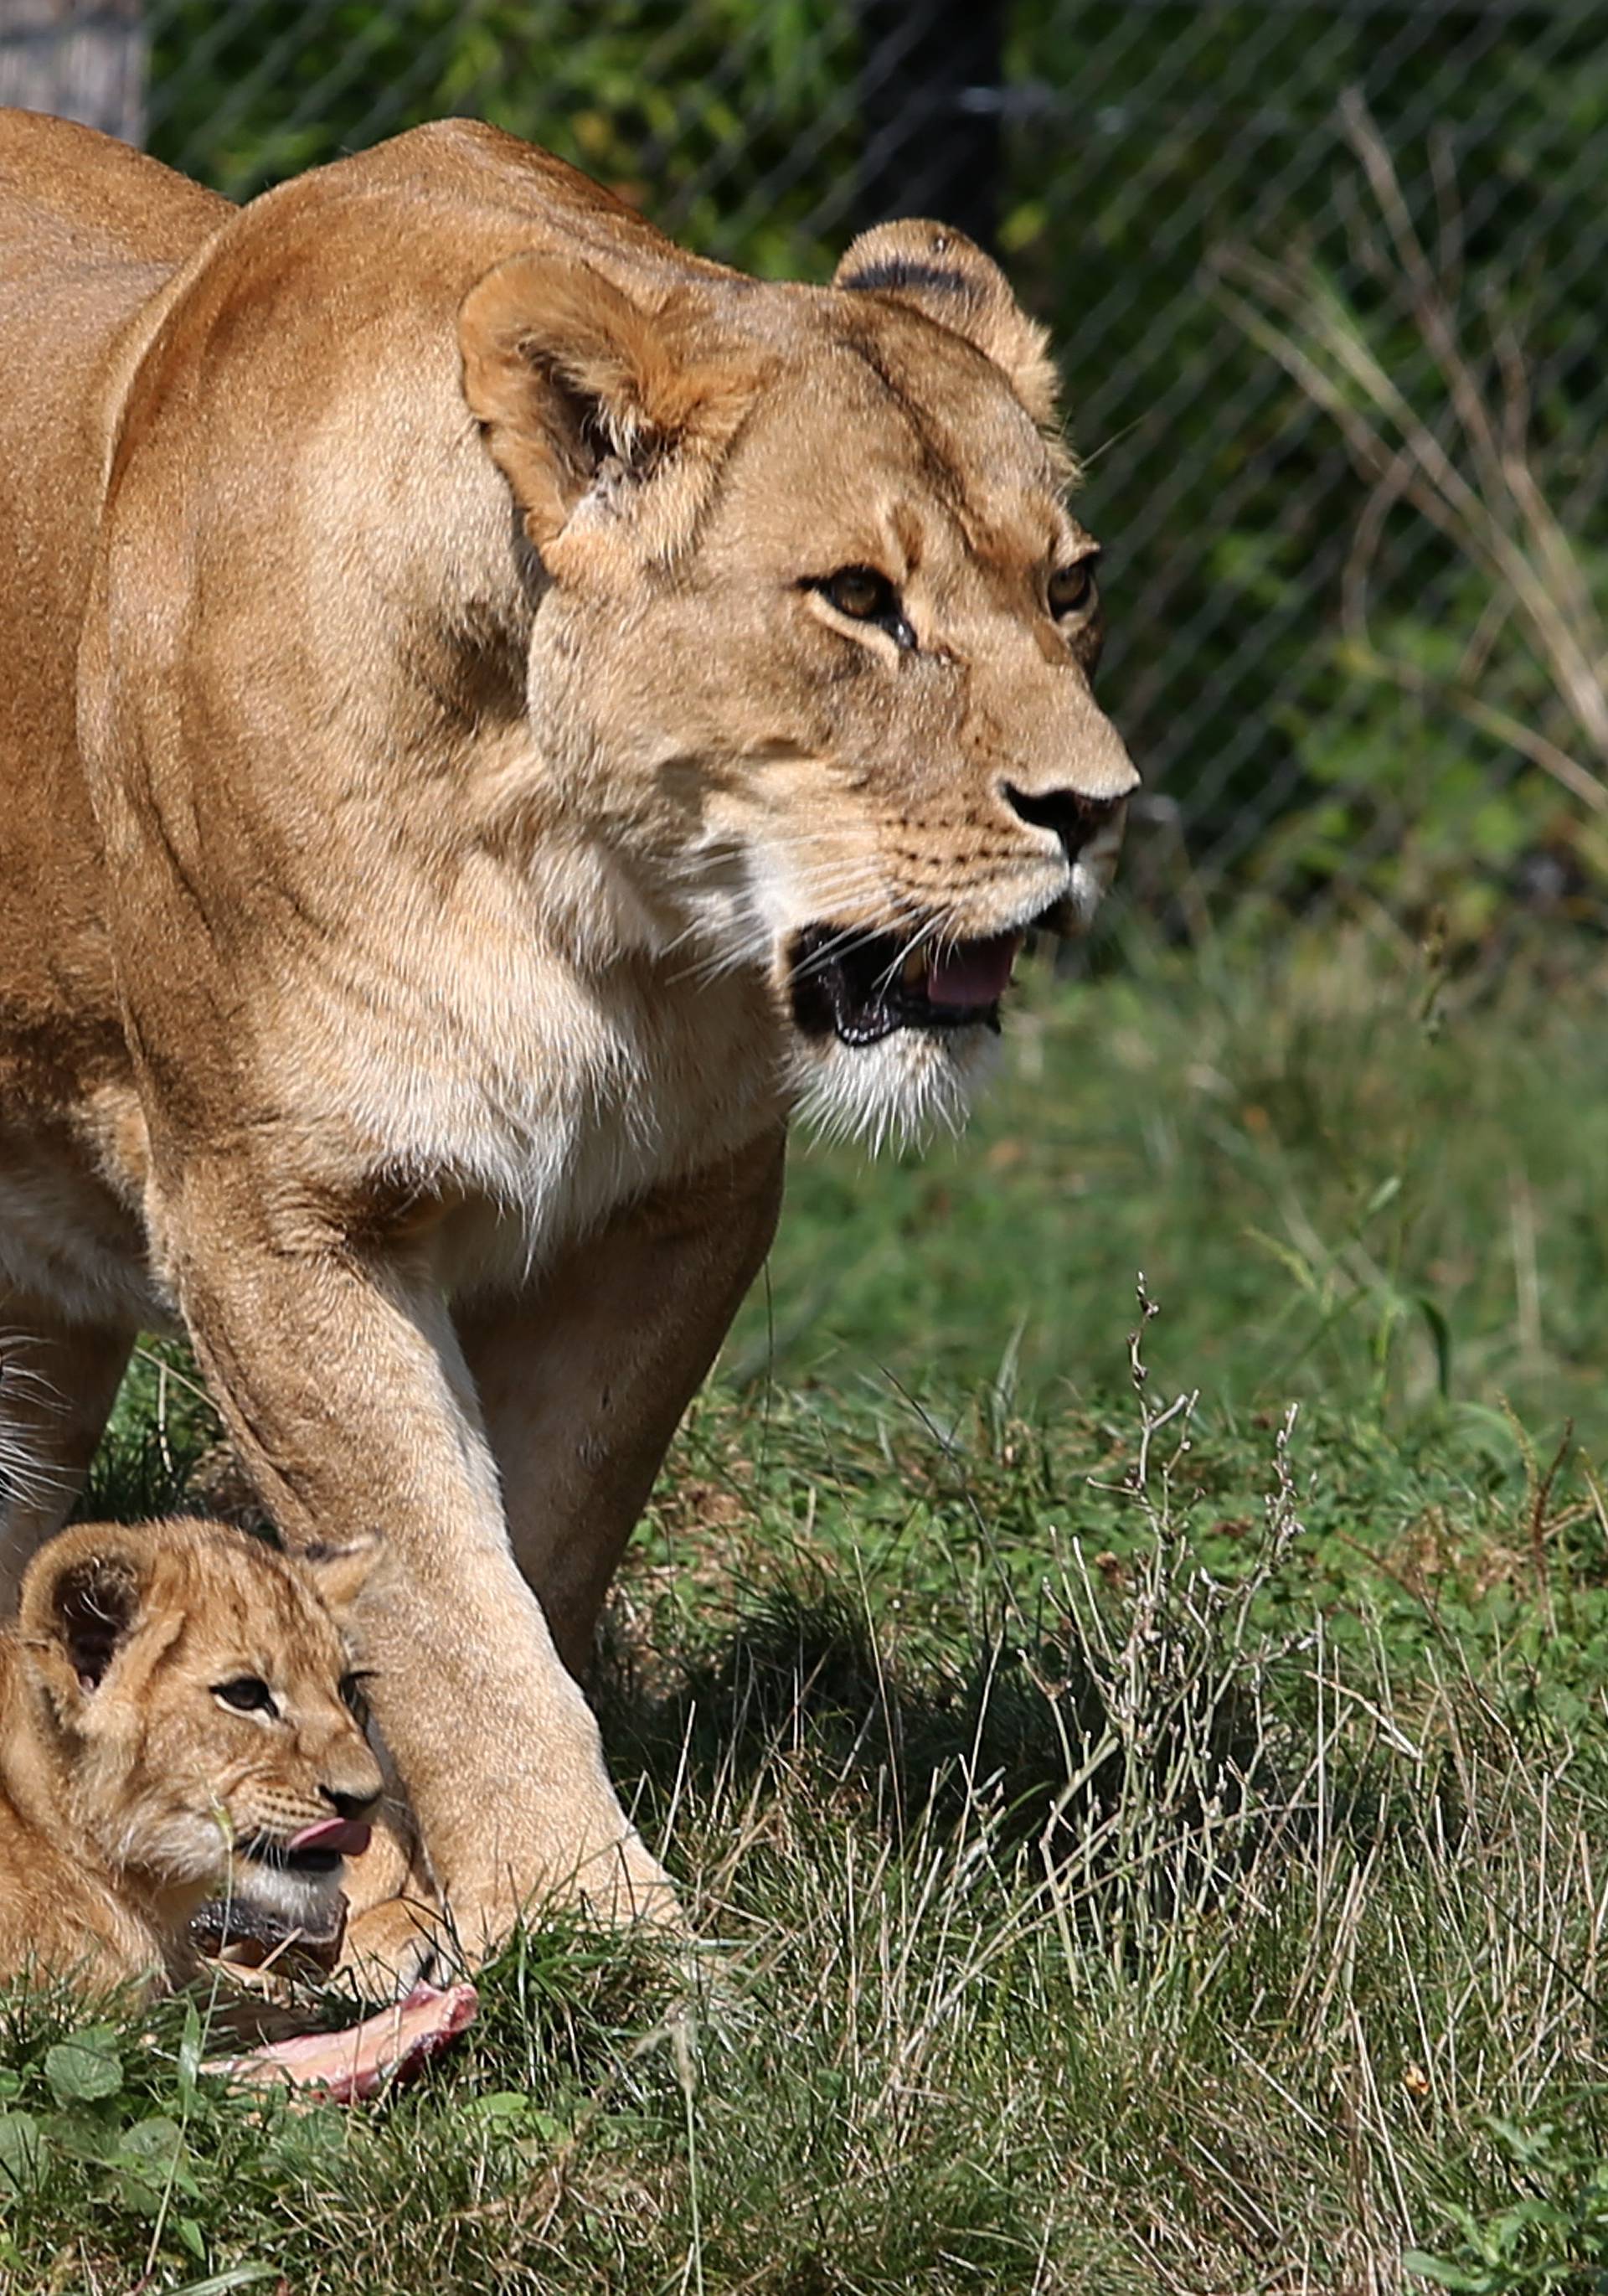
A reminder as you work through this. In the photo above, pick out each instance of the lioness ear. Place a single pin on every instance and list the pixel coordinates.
(81, 1601)
(946, 276)
(341, 1573)
(563, 372)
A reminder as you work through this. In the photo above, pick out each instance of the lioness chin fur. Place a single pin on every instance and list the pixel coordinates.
(499, 715)
(175, 1710)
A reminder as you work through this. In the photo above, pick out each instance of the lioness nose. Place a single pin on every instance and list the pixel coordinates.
(1073, 817)
(349, 1806)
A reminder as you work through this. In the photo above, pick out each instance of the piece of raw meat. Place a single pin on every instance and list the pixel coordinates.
(345, 2066)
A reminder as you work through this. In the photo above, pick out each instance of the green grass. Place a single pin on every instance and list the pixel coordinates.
(1330, 1193)
(1129, 1852)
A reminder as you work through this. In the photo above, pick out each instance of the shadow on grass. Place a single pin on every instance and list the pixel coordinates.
(1057, 1749)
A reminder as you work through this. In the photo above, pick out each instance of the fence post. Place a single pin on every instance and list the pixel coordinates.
(930, 74)
(84, 59)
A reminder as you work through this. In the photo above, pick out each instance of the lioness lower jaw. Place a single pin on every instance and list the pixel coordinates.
(898, 1090)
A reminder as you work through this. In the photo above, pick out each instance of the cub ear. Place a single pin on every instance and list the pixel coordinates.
(947, 278)
(81, 1600)
(343, 1573)
(563, 372)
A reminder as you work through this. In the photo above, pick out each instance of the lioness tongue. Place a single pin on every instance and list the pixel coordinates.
(348, 1837)
(977, 972)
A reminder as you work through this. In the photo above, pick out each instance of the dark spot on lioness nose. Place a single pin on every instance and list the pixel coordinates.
(1073, 817)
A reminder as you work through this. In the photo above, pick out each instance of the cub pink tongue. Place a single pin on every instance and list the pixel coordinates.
(348, 1837)
(976, 974)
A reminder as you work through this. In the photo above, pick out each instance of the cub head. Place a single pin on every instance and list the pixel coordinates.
(201, 1704)
(812, 640)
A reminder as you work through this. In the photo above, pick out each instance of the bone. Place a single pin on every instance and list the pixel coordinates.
(247, 1935)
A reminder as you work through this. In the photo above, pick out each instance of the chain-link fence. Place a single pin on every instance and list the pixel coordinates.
(1325, 276)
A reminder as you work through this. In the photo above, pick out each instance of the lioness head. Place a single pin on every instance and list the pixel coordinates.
(814, 636)
(198, 1698)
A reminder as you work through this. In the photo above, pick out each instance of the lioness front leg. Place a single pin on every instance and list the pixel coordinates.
(583, 1378)
(58, 1382)
(341, 1380)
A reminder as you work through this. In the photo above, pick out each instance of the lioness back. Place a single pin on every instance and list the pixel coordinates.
(173, 1696)
(89, 233)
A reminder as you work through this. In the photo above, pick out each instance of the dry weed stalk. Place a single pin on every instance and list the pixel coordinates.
(1167, 1798)
(1469, 473)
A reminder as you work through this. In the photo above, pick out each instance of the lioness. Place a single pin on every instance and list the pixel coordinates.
(175, 1705)
(499, 713)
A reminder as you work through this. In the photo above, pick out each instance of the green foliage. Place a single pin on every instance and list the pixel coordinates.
(1552, 2236)
(76, 2112)
(1498, 659)
(1160, 137)
(726, 118)
(82, 2071)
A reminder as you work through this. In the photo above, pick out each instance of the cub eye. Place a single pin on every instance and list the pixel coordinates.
(862, 594)
(1071, 587)
(247, 1694)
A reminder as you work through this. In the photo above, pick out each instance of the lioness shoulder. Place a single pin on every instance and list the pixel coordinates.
(173, 1696)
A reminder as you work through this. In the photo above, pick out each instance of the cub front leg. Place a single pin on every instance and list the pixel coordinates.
(340, 1377)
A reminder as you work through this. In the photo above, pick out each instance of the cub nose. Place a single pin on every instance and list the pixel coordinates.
(1071, 816)
(352, 1807)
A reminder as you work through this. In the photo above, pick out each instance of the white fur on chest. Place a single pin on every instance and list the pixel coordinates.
(476, 1063)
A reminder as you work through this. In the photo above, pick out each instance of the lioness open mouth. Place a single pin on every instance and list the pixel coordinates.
(862, 988)
(317, 1850)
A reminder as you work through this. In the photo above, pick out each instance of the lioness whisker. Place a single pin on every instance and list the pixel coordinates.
(759, 949)
(929, 931)
(833, 950)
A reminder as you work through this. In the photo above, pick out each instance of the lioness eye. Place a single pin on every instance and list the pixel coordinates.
(247, 1694)
(865, 595)
(351, 1693)
(1071, 588)
(862, 594)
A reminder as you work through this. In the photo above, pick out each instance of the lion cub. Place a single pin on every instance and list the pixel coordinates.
(175, 1698)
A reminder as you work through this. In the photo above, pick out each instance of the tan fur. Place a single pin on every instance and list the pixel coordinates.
(425, 740)
(125, 1781)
